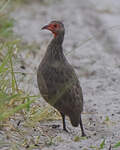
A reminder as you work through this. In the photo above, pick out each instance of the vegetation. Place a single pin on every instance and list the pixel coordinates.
(11, 98)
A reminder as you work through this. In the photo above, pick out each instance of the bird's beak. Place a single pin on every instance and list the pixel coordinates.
(45, 27)
(48, 27)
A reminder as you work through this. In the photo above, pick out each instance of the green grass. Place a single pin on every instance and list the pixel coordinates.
(12, 100)
(6, 27)
(117, 145)
(101, 146)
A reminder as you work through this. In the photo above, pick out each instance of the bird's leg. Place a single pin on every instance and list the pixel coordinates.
(81, 126)
(64, 124)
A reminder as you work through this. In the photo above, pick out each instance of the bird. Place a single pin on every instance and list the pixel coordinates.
(57, 80)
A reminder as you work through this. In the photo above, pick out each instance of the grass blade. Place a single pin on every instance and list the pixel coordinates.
(117, 145)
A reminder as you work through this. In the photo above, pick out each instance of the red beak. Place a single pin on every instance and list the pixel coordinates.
(48, 27)
(45, 27)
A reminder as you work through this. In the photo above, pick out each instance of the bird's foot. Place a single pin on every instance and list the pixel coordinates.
(64, 129)
(83, 134)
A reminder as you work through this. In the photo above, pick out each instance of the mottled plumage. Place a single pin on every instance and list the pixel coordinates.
(57, 81)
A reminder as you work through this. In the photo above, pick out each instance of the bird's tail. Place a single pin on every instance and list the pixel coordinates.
(75, 119)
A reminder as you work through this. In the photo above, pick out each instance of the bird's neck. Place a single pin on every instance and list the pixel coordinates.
(58, 39)
(55, 50)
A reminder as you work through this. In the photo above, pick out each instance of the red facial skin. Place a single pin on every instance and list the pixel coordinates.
(53, 27)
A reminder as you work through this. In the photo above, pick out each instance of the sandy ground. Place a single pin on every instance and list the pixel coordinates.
(98, 69)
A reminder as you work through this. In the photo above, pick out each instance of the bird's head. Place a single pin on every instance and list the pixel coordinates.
(56, 27)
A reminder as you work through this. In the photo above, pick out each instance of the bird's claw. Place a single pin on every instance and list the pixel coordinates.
(65, 130)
